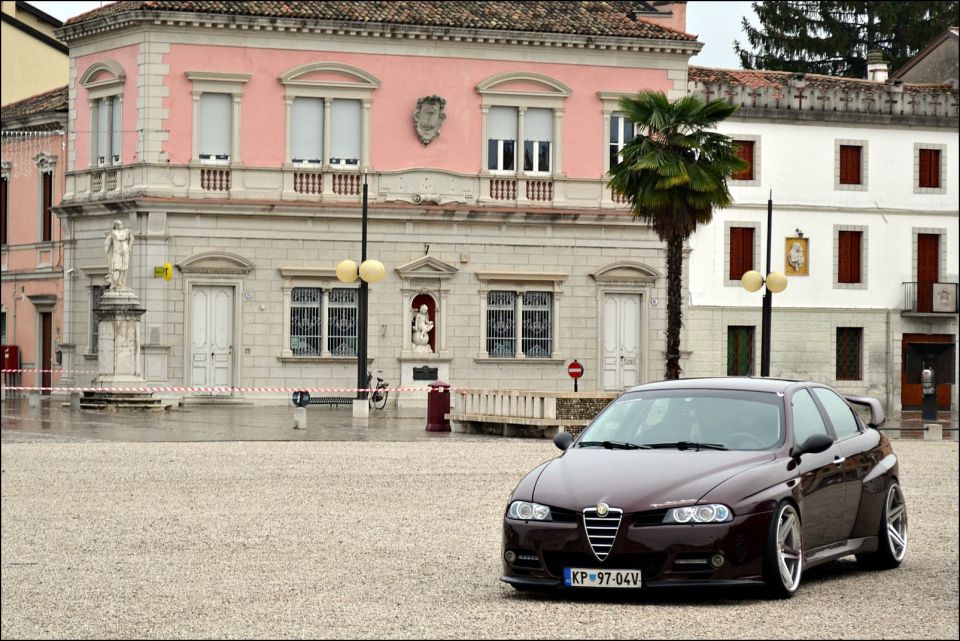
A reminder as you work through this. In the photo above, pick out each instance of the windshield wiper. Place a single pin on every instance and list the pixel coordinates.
(687, 445)
(614, 445)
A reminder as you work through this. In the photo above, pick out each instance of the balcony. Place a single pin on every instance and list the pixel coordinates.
(929, 299)
(296, 183)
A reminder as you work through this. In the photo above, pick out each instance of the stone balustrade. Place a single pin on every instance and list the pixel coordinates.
(308, 184)
(820, 94)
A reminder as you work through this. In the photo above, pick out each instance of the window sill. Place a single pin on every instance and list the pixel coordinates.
(319, 359)
(553, 360)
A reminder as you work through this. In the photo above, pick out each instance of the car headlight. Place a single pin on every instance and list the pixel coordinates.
(527, 511)
(712, 513)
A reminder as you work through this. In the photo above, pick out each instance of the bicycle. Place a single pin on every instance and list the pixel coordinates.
(379, 390)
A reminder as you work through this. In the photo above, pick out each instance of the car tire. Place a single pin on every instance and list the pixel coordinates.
(783, 555)
(892, 533)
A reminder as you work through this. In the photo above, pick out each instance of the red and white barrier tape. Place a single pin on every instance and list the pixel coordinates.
(226, 389)
(60, 371)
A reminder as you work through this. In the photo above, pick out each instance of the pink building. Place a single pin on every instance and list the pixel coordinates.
(31, 258)
(234, 142)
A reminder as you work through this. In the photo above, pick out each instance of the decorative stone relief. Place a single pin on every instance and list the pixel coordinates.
(45, 161)
(428, 117)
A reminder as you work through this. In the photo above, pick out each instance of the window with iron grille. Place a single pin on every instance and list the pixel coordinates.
(501, 324)
(740, 350)
(537, 324)
(849, 353)
(342, 322)
(306, 322)
(96, 293)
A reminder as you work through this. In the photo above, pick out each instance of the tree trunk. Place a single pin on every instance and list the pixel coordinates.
(674, 305)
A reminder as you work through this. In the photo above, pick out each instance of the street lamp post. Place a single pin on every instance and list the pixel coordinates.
(369, 271)
(775, 282)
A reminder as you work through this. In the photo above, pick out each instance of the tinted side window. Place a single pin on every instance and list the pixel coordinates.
(844, 423)
(806, 417)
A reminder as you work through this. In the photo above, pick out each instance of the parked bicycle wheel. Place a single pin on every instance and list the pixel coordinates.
(379, 398)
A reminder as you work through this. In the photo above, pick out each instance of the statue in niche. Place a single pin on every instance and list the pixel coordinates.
(118, 246)
(422, 326)
(428, 117)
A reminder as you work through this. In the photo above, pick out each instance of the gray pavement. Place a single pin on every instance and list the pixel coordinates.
(227, 523)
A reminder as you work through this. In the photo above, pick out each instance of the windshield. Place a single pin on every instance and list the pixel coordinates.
(724, 419)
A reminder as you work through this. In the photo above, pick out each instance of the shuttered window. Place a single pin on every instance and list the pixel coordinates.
(345, 124)
(306, 130)
(46, 202)
(744, 149)
(850, 163)
(848, 256)
(930, 168)
(216, 124)
(741, 251)
(3, 213)
(501, 138)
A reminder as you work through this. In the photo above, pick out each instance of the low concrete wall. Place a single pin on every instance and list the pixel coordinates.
(524, 412)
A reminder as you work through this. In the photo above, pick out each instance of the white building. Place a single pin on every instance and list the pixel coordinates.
(863, 178)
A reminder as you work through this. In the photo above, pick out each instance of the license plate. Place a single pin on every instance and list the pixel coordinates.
(593, 578)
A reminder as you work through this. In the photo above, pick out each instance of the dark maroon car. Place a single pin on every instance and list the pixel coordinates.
(717, 481)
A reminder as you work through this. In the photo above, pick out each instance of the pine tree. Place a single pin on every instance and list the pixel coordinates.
(833, 38)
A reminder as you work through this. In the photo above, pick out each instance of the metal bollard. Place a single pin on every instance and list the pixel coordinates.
(438, 406)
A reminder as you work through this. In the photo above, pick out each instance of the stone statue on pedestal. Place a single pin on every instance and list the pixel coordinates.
(422, 326)
(118, 246)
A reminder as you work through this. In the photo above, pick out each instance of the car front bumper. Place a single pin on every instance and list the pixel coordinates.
(671, 554)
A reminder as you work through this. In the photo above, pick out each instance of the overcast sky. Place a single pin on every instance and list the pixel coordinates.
(717, 25)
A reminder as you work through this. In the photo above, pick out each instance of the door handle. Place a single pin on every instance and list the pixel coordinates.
(839, 459)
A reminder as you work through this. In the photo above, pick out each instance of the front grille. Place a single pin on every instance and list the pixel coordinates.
(602, 530)
(560, 515)
(651, 564)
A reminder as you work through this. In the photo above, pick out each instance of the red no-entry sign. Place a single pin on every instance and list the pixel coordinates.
(575, 369)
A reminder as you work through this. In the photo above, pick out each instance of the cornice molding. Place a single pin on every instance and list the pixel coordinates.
(98, 26)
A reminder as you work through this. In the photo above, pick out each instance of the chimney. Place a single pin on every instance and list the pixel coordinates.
(877, 68)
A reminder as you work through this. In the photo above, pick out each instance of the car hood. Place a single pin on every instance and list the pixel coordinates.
(638, 480)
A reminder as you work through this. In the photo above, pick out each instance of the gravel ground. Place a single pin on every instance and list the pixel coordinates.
(384, 540)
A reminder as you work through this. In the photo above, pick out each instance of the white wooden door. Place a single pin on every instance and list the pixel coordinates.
(212, 336)
(621, 341)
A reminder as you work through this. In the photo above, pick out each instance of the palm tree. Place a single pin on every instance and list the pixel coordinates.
(673, 174)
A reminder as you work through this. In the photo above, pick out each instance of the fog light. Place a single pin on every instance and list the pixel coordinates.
(716, 560)
(509, 556)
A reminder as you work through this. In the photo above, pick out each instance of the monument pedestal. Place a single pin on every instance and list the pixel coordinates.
(118, 357)
(419, 370)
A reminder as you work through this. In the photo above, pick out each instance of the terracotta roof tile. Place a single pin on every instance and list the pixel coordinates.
(616, 18)
(759, 79)
(49, 101)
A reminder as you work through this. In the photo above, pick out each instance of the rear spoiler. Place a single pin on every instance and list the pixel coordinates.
(877, 417)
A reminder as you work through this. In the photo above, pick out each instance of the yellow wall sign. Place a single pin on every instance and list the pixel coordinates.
(165, 271)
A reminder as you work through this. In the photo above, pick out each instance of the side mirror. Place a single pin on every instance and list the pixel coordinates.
(813, 445)
(563, 440)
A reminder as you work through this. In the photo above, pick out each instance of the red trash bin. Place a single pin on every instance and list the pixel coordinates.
(438, 406)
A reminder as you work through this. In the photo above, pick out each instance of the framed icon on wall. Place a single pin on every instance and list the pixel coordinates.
(796, 253)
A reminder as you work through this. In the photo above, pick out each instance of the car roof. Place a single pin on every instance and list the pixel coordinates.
(741, 383)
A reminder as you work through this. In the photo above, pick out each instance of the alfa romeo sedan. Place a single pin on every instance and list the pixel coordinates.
(724, 481)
